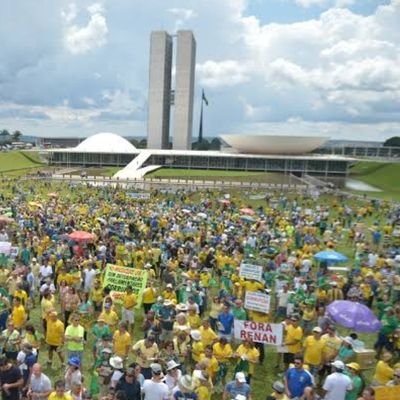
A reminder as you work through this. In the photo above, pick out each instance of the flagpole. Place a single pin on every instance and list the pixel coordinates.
(200, 138)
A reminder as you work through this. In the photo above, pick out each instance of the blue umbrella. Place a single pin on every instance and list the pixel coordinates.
(330, 256)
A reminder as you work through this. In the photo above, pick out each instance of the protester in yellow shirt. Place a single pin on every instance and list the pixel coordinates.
(129, 302)
(208, 336)
(313, 346)
(204, 389)
(211, 363)
(198, 346)
(248, 357)
(59, 392)
(18, 314)
(149, 297)
(193, 318)
(54, 337)
(294, 336)
(121, 341)
(110, 316)
(169, 294)
(383, 371)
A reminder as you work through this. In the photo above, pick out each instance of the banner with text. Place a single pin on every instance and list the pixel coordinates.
(387, 393)
(251, 271)
(257, 301)
(260, 332)
(118, 278)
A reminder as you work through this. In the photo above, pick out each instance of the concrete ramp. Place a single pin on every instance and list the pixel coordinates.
(134, 169)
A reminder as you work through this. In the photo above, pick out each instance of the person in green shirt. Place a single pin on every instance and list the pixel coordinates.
(74, 338)
(353, 371)
(238, 310)
(389, 325)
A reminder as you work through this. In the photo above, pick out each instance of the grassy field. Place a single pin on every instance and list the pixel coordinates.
(381, 175)
(13, 161)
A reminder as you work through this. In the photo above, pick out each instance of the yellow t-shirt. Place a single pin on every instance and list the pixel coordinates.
(294, 334)
(121, 343)
(222, 353)
(18, 316)
(21, 294)
(111, 318)
(331, 346)
(194, 321)
(251, 354)
(54, 396)
(203, 393)
(212, 365)
(149, 295)
(383, 373)
(129, 301)
(146, 354)
(313, 350)
(55, 332)
(208, 336)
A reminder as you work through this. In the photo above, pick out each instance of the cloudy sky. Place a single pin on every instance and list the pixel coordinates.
(74, 68)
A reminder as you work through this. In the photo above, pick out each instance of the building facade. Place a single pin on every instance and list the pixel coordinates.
(184, 90)
(159, 102)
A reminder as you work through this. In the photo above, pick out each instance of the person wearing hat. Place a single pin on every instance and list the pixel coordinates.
(154, 388)
(337, 384)
(383, 370)
(173, 374)
(237, 387)
(117, 363)
(313, 345)
(146, 351)
(73, 373)
(184, 389)
(354, 369)
(279, 392)
(169, 294)
(166, 315)
(156, 307)
(197, 346)
(54, 337)
(346, 351)
(104, 369)
(99, 330)
(203, 388)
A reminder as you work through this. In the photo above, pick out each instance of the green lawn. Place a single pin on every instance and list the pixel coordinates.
(381, 175)
(18, 160)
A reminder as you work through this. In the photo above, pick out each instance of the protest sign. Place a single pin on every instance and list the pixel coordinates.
(118, 278)
(387, 393)
(260, 332)
(251, 271)
(257, 301)
(139, 195)
(5, 248)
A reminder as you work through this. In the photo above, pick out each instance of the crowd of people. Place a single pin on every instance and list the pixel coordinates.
(65, 336)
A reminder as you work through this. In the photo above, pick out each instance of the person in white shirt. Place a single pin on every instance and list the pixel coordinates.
(90, 275)
(45, 271)
(337, 384)
(155, 388)
(39, 386)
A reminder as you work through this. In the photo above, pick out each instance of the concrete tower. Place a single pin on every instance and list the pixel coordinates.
(158, 119)
(184, 90)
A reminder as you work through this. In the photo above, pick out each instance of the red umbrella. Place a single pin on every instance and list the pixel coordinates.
(247, 211)
(82, 236)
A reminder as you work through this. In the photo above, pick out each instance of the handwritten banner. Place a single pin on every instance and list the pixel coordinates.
(119, 278)
(260, 332)
(257, 301)
(250, 271)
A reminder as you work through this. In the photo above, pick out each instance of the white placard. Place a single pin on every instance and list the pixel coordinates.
(5, 248)
(139, 195)
(257, 301)
(251, 271)
(259, 332)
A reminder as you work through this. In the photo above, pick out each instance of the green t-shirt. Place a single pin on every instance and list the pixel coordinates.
(99, 331)
(357, 386)
(239, 313)
(389, 325)
(75, 332)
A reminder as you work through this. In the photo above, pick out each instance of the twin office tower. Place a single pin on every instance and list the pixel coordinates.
(161, 97)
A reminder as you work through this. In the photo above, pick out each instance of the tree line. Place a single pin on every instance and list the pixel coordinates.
(7, 138)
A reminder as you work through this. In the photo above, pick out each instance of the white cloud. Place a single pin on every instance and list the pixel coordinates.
(216, 74)
(70, 13)
(182, 16)
(80, 40)
(324, 3)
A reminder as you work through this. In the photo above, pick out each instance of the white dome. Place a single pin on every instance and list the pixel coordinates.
(106, 142)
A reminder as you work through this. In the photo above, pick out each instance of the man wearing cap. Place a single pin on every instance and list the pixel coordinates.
(353, 369)
(279, 392)
(337, 384)
(169, 294)
(297, 378)
(166, 315)
(155, 388)
(146, 351)
(237, 387)
(313, 346)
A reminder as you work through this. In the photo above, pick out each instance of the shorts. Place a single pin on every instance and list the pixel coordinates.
(57, 349)
(128, 315)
